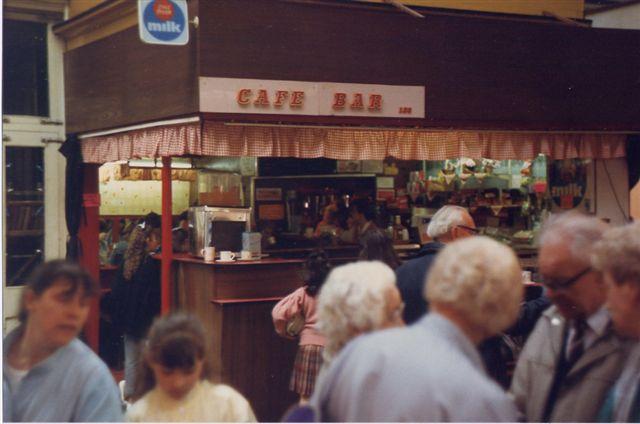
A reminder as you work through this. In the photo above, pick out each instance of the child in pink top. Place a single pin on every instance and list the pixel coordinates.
(303, 302)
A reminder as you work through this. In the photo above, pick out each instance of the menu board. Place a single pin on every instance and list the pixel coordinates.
(273, 212)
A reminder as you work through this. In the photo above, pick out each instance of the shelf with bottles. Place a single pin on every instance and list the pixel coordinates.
(398, 232)
(296, 205)
(512, 212)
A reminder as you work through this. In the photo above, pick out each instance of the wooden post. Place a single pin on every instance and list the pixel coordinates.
(167, 250)
(89, 254)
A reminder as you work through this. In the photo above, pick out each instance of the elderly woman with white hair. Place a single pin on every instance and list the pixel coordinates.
(357, 298)
(431, 371)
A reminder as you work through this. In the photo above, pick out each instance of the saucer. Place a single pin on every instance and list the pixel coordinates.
(225, 261)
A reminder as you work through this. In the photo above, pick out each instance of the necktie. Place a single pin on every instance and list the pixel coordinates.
(575, 347)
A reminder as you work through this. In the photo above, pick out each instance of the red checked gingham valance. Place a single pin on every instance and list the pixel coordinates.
(218, 139)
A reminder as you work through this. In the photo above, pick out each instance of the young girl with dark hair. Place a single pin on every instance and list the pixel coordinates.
(173, 378)
(299, 310)
(48, 374)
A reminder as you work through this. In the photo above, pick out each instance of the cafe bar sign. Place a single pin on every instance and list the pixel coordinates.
(234, 95)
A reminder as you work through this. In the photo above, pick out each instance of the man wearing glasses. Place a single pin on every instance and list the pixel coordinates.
(573, 356)
(617, 256)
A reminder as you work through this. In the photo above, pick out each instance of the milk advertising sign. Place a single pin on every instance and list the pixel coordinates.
(163, 22)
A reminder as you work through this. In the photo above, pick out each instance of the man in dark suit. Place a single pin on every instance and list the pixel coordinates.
(448, 224)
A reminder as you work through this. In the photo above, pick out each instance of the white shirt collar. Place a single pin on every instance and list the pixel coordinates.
(599, 321)
(597, 325)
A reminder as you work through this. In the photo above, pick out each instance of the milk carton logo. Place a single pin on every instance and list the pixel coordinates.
(163, 21)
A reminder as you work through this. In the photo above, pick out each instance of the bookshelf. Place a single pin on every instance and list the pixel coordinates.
(24, 212)
(25, 218)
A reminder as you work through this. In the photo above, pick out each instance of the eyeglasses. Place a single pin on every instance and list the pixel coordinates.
(470, 229)
(560, 285)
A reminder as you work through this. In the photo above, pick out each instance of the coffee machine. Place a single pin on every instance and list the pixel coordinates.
(219, 227)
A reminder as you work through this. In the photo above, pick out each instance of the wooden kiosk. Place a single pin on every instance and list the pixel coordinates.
(498, 85)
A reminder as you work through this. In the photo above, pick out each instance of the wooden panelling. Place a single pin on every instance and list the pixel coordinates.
(567, 8)
(478, 71)
(246, 352)
(256, 360)
(239, 282)
(119, 80)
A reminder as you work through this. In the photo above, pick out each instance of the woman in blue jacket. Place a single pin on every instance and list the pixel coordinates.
(48, 374)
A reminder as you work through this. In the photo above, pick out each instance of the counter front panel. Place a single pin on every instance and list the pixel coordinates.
(234, 301)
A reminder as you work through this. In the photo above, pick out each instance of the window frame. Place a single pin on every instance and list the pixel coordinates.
(48, 133)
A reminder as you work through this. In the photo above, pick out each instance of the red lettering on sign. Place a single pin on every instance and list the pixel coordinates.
(375, 102)
(339, 100)
(405, 110)
(281, 96)
(244, 96)
(357, 101)
(296, 98)
(163, 10)
(262, 99)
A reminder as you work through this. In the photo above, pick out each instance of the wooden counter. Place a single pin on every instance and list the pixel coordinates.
(234, 302)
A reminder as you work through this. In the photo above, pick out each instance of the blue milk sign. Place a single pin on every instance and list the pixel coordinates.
(163, 21)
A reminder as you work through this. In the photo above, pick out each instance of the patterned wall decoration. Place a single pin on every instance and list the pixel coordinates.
(141, 197)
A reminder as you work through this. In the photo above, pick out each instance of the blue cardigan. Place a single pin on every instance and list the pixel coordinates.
(71, 385)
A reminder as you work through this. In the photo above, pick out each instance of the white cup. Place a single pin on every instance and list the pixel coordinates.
(209, 254)
(227, 255)
(246, 255)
